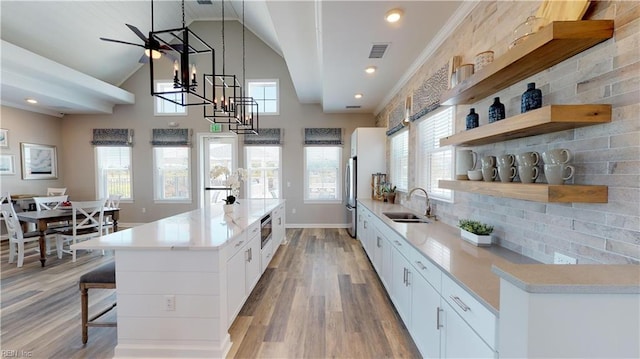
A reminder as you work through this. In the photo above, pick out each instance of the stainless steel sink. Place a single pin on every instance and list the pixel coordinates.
(405, 217)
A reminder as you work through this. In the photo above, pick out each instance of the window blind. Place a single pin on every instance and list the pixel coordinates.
(399, 160)
(323, 136)
(435, 162)
(112, 137)
(267, 136)
(395, 120)
(171, 137)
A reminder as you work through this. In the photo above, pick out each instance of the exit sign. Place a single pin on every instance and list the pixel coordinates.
(215, 127)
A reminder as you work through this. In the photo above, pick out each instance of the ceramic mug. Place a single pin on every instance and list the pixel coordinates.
(489, 174)
(528, 158)
(506, 160)
(488, 161)
(556, 156)
(528, 174)
(465, 161)
(506, 173)
(557, 174)
(475, 175)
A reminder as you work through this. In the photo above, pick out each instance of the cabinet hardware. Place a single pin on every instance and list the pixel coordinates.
(397, 243)
(438, 325)
(365, 224)
(239, 243)
(422, 266)
(378, 242)
(408, 283)
(460, 303)
(404, 276)
(279, 221)
(246, 256)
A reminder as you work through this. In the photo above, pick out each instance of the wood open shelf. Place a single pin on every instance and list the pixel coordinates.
(547, 119)
(537, 192)
(551, 45)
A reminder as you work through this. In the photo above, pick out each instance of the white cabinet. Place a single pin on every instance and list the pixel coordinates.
(278, 234)
(368, 144)
(401, 284)
(236, 273)
(458, 340)
(267, 255)
(425, 317)
(253, 268)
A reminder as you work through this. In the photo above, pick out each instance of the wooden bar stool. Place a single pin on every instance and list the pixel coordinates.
(103, 277)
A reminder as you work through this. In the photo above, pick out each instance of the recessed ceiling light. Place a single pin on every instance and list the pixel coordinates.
(393, 15)
(31, 100)
(358, 95)
(370, 69)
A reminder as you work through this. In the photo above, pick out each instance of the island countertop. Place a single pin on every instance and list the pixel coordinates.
(201, 229)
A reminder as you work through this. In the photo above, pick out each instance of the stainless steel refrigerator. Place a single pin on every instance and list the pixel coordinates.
(350, 188)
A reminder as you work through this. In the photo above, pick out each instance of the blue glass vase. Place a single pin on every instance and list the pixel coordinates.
(531, 99)
(473, 120)
(496, 111)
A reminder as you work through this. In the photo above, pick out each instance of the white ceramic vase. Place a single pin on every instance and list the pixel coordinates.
(228, 208)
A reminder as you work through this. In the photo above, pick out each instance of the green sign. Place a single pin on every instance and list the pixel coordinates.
(215, 127)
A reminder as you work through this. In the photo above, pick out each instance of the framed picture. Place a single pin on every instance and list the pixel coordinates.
(7, 165)
(4, 138)
(39, 161)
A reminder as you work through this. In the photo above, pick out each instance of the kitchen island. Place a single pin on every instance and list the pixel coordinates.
(181, 280)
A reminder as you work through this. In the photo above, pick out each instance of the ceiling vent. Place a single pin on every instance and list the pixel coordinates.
(205, 2)
(377, 51)
(353, 106)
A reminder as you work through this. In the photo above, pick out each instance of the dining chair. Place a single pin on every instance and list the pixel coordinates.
(17, 237)
(86, 223)
(47, 203)
(52, 191)
(113, 201)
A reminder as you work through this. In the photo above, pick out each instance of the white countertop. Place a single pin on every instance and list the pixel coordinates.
(201, 229)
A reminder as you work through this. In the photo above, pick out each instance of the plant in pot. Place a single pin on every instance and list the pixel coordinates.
(231, 181)
(475, 232)
(388, 192)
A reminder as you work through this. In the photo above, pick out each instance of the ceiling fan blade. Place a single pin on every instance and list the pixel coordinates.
(122, 42)
(137, 32)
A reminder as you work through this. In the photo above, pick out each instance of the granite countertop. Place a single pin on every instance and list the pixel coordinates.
(479, 269)
(201, 229)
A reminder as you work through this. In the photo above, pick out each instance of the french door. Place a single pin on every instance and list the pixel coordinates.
(215, 149)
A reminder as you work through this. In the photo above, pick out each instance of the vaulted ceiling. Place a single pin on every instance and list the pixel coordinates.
(51, 49)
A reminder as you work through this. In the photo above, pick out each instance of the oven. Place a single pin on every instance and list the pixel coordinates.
(265, 230)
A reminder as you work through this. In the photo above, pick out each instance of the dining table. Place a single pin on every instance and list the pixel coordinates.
(42, 219)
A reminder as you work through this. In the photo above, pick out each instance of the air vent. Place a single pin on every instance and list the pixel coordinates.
(353, 106)
(205, 2)
(377, 51)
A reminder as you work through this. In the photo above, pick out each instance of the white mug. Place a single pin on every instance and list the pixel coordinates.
(506, 173)
(557, 174)
(489, 173)
(556, 156)
(506, 160)
(528, 174)
(528, 158)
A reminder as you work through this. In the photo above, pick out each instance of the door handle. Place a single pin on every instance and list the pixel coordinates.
(422, 266)
(460, 303)
(438, 325)
(239, 243)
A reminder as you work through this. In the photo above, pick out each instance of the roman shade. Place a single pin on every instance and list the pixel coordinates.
(267, 136)
(426, 98)
(395, 120)
(171, 137)
(112, 137)
(323, 136)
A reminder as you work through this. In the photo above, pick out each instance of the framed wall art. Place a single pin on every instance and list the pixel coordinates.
(4, 138)
(7, 165)
(39, 161)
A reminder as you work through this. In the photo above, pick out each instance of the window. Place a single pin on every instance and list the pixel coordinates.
(435, 162)
(265, 92)
(168, 108)
(114, 172)
(399, 160)
(172, 181)
(323, 174)
(263, 171)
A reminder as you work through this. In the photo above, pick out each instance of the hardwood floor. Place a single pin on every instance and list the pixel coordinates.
(319, 298)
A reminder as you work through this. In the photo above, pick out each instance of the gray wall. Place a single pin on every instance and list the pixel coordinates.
(261, 62)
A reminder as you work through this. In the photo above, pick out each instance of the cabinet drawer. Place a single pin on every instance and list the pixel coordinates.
(253, 230)
(479, 318)
(236, 243)
(401, 245)
(427, 269)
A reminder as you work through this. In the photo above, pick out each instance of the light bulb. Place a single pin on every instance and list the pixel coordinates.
(393, 15)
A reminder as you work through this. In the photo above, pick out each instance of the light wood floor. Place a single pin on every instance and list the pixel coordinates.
(319, 298)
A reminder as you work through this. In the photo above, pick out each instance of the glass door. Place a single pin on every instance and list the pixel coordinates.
(217, 150)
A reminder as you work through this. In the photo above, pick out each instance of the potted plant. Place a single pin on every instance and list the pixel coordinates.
(388, 192)
(475, 232)
(232, 181)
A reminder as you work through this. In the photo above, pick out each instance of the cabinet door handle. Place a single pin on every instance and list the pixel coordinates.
(378, 242)
(239, 243)
(460, 303)
(422, 266)
(279, 221)
(397, 243)
(438, 325)
(408, 282)
(406, 277)
(246, 256)
(365, 224)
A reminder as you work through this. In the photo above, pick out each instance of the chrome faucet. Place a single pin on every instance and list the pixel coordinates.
(427, 211)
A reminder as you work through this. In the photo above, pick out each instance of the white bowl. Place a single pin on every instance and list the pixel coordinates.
(475, 175)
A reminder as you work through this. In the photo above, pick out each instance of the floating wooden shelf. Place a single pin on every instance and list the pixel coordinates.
(551, 45)
(537, 192)
(547, 119)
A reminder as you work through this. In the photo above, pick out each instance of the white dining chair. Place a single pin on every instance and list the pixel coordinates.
(47, 203)
(86, 223)
(17, 237)
(113, 201)
(53, 191)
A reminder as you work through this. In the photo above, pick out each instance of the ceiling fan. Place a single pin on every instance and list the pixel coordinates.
(152, 47)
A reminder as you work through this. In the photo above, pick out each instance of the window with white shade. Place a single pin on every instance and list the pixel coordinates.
(265, 93)
(399, 160)
(113, 172)
(172, 180)
(263, 171)
(323, 174)
(433, 161)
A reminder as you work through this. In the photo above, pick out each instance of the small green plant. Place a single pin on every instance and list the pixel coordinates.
(475, 227)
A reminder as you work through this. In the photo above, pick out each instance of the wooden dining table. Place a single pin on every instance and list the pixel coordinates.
(43, 218)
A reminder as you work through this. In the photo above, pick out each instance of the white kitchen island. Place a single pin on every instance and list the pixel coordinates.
(182, 280)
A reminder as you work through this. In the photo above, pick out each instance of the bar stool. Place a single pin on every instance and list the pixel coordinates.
(103, 277)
